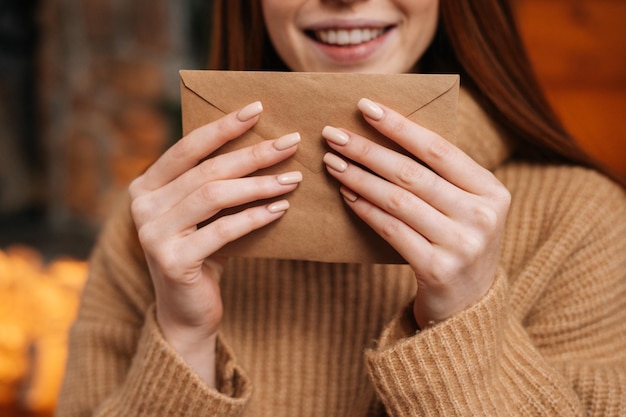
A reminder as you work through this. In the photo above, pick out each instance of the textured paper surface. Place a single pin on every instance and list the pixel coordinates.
(318, 226)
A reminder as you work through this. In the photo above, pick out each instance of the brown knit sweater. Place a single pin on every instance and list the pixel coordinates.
(314, 339)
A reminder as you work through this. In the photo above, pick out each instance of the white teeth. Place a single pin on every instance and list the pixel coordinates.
(343, 37)
(347, 36)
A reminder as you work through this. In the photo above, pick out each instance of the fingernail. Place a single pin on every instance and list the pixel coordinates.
(287, 141)
(370, 109)
(335, 135)
(278, 206)
(335, 162)
(348, 194)
(290, 178)
(251, 110)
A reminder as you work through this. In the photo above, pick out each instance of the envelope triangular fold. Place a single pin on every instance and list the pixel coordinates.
(318, 226)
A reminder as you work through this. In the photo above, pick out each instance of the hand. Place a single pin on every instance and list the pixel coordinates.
(177, 193)
(447, 221)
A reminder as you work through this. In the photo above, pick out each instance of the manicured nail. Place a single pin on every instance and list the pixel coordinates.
(335, 135)
(348, 194)
(335, 162)
(278, 206)
(290, 178)
(251, 110)
(287, 141)
(370, 109)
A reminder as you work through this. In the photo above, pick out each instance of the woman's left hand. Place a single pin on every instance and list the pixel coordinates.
(447, 221)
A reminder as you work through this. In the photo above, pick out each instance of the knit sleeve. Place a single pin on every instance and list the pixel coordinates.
(467, 365)
(579, 322)
(553, 346)
(119, 363)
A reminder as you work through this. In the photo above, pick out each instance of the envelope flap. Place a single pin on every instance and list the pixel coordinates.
(306, 102)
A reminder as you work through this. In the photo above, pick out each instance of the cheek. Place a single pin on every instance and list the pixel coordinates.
(274, 22)
(278, 17)
(425, 17)
(431, 14)
(271, 13)
(279, 36)
(422, 14)
(280, 20)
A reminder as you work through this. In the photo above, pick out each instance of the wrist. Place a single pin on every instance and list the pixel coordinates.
(197, 349)
(430, 310)
(201, 357)
(426, 317)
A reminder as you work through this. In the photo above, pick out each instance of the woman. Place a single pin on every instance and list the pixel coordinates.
(512, 299)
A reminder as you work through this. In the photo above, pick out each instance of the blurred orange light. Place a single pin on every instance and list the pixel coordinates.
(38, 303)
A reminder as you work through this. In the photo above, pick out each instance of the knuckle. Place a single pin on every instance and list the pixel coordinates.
(397, 125)
(183, 148)
(253, 219)
(499, 193)
(208, 193)
(147, 235)
(439, 149)
(503, 196)
(470, 246)
(207, 168)
(390, 230)
(485, 217)
(135, 188)
(223, 125)
(398, 199)
(266, 187)
(410, 173)
(164, 253)
(366, 149)
(223, 230)
(169, 261)
(257, 154)
(140, 209)
(443, 270)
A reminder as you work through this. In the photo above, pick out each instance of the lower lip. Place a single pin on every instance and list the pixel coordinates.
(346, 55)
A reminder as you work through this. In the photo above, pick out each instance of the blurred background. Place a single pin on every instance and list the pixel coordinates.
(89, 96)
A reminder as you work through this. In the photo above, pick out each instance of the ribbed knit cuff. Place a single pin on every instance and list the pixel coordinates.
(443, 369)
(160, 383)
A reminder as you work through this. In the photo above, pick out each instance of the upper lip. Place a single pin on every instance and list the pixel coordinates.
(348, 24)
(322, 31)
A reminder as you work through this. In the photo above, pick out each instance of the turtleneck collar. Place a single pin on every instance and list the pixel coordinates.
(478, 135)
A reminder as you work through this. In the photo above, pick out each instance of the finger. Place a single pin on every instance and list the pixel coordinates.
(395, 167)
(232, 165)
(206, 241)
(413, 247)
(443, 157)
(211, 198)
(201, 142)
(401, 204)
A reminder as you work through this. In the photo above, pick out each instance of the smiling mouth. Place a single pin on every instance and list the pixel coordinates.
(347, 37)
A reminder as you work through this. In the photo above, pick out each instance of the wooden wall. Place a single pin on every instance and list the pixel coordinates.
(578, 48)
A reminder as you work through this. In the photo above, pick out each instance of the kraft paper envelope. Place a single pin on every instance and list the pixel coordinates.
(318, 226)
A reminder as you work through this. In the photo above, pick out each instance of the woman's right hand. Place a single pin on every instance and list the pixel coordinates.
(177, 193)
